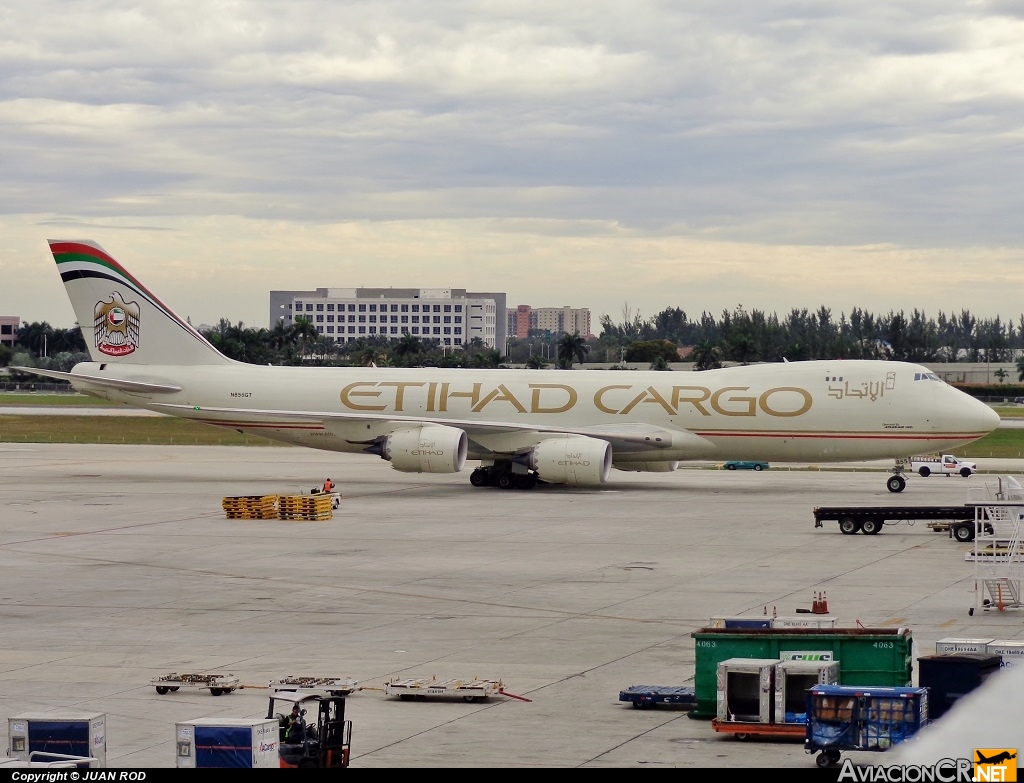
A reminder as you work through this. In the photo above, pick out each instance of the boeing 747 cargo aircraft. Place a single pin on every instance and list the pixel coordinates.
(523, 426)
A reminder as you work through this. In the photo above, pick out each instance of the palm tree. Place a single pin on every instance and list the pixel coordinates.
(572, 348)
(305, 333)
(706, 356)
(536, 362)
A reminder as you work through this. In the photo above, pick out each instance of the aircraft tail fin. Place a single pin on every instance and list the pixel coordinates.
(120, 319)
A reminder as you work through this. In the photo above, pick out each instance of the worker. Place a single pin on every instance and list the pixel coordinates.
(328, 486)
(296, 726)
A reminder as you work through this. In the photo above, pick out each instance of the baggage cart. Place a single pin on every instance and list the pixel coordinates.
(850, 717)
(641, 696)
(333, 686)
(469, 690)
(217, 684)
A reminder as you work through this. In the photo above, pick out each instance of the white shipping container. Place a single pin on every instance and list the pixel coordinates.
(746, 688)
(243, 743)
(805, 621)
(792, 679)
(70, 734)
(1012, 652)
(949, 646)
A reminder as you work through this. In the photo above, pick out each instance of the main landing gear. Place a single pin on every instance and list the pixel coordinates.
(501, 476)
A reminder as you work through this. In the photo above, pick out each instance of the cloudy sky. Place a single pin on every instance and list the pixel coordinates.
(648, 154)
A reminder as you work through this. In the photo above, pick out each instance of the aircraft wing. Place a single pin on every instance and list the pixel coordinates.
(499, 436)
(110, 383)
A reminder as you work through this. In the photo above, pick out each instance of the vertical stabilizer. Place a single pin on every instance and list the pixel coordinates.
(121, 320)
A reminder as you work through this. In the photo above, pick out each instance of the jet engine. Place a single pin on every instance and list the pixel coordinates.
(646, 467)
(427, 449)
(574, 460)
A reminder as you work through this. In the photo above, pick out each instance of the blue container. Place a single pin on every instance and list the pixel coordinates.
(851, 717)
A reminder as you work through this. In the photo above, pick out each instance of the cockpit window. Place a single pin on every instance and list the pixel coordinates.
(926, 376)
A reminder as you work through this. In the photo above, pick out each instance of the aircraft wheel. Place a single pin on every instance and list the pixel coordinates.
(871, 526)
(849, 525)
(896, 483)
(505, 481)
(478, 478)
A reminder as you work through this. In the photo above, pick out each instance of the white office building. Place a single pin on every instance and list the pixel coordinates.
(451, 316)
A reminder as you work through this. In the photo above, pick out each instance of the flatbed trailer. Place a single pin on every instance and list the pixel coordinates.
(743, 730)
(957, 521)
(642, 696)
(217, 684)
(422, 688)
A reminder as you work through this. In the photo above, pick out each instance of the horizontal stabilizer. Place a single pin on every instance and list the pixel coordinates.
(109, 383)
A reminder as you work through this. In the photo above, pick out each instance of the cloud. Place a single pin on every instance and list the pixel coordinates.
(646, 134)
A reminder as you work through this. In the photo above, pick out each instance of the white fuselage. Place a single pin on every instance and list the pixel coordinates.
(799, 411)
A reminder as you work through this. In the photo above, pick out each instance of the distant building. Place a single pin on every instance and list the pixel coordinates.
(9, 329)
(452, 316)
(557, 320)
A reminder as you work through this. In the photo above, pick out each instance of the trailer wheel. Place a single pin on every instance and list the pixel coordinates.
(741, 736)
(924, 471)
(162, 689)
(963, 532)
(406, 696)
(639, 704)
(896, 483)
(849, 525)
(823, 760)
(470, 699)
(174, 688)
(871, 526)
(216, 691)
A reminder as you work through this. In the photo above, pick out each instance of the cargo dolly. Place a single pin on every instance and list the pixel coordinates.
(333, 686)
(642, 696)
(422, 688)
(216, 683)
(745, 730)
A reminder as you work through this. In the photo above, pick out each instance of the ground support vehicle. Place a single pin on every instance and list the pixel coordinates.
(323, 744)
(469, 690)
(742, 730)
(957, 520)
(216, 683)
(329, 686)
(946, 464)
(642, 696)
(855, 717)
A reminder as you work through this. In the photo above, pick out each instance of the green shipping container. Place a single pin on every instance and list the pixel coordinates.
(866, 656)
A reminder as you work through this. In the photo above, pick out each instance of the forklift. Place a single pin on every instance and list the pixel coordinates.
(326, 743)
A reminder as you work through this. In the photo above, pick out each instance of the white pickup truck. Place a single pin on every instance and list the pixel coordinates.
(947, 465)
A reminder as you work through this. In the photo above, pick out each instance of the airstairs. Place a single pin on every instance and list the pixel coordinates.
(997, 556)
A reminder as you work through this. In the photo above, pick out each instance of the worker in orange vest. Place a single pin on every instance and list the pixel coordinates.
(328, 486)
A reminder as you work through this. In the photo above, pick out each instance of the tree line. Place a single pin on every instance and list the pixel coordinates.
(737, 336)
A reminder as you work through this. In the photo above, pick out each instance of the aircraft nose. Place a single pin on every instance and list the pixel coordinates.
(981, 417)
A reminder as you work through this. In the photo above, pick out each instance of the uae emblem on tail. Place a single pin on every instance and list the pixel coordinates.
(116, 326)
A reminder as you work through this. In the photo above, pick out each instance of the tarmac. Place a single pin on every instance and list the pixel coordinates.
(117, 566)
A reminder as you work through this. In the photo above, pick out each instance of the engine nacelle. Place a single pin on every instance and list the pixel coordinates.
(428, 449)
(576, 460)
(647, 467)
